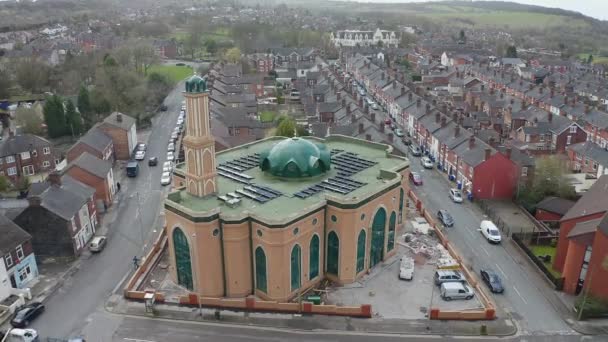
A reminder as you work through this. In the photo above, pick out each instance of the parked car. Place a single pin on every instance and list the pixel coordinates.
(446, 276)
(406, 141)
(163, 108)
(173, 136)
(415, 150)
(426, 162)
(445, 218)
(97, 244)
(451, 291)
(456, 195)
(25, 314)
(406, 268)
(490, 231)
(416, 178)
(141, 147)
(165, 178)
(153, 161)
(399, 132)
(20, 335)
(168, 165)
(170, 156)
(387, 121)
(492, 280)
(140, 155)
(393, 126)
(171, 147)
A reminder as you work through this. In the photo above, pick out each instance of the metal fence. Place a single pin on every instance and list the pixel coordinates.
(521, 240)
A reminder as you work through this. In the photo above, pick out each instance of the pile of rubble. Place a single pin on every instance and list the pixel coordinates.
(423, 244)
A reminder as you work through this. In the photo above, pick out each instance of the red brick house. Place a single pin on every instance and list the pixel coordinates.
(582, 248)
(96, 173)
(166, 49)
(588, 158)
(121, 129)
(552, 209)
(95, 142)
(26, 155)
(262, 62)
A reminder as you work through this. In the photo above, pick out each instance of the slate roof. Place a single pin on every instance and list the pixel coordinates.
(585, 227)
(71, 184)
(92, 165)
(96, 139)
(518, 157)
(592, 202)
(555, 205)
(12, 235)
(591, 151)
(473, 156)
(126, 121)
(603, 225)
(21, 143)
(62, 202)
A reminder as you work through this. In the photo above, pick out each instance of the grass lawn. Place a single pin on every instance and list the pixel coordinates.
(546, 250)
(596, 59)
(267, 116)
(176, 73)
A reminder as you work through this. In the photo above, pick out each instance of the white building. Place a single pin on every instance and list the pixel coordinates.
(364, 38)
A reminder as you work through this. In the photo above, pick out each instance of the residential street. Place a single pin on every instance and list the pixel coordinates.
(69, 310)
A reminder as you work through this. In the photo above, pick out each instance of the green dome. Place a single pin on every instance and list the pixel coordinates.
(296, 157)
(196, 84)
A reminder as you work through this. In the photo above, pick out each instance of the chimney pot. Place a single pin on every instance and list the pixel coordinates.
(403, 92)
(373, 117)
(550, 116)
(471, 142)
(118, 117)
(456, 131)
(444, 121)
(488, 153)
(54, 178)
(34, 201)
(437, 117)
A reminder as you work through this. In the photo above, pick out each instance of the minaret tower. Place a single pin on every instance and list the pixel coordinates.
(199, 145)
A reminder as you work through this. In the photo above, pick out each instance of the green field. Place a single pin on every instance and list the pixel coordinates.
(176, 73)
(596, 59)
(267, 116)
(546, 250)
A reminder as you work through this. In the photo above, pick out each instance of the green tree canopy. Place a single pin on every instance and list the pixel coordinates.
(84, 107)
(233, 55)
(511, 52)
(211, 45)
(54, 116)
(32, 75)
(29, 120)
(590, 59)
(5, 84)
(286, 127)
(4, 183)
(73, 119)
(549, 180)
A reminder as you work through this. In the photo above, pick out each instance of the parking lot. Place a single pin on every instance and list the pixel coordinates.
(391, 297)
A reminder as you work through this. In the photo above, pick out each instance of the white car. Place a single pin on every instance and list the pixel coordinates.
(456, 195)
(173, 136)
(490, 231)
(426, 162)
(168, 165)
(165, 179)
(406, 268)
(170, 156)
(140, 155)
(171, 147)
(399, 132)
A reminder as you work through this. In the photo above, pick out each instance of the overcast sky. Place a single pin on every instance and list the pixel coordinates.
(593, 8)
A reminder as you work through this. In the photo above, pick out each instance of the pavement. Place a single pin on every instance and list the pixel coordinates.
(131, 225)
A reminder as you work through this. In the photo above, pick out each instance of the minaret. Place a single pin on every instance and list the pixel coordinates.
(199, 145)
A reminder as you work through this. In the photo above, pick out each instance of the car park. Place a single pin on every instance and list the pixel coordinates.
(447, 276)
(415, 150)
(140, 155)
(406, 268)
(426, 162)
(490, 231)
(445, 218)
(153, 161)
(416, 178)
(492, 280)
(25, 314)
(451, 290)
(97, 244)
(165, 178)
(171, 147)
(399, 132)
(170, 156)
(456, 195)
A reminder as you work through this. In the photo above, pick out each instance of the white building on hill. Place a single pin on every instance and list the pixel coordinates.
(365, 38)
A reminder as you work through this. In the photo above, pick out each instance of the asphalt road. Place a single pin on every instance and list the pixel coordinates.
(523, 299)
(70, 309)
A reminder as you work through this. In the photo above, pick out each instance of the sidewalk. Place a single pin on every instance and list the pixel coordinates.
(500, 327)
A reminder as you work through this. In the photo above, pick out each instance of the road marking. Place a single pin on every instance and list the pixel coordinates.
(519, 294)
(470, 232)
(136, 339)
(501, 271)
(485, 251)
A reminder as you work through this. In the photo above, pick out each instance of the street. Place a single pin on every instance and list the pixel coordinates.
(69, 310)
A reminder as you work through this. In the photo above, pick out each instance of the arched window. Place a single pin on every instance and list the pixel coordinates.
(391, 232)
(361, 251)
(260, 270)
(296, 255)
(377, 245)
(401, 195)
(313, 257)
(333, 253)
(183, 264)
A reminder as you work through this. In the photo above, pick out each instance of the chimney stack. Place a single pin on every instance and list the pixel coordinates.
(456, 131)
(444, 121)
(54, 178)
(409, 96)
(382, 127)
(471, 142)
(492, 142)
(339, 96)
(403, 93)
(437, 117)
(508, 153)
(418, 103)
(382, 76)
(118, 117)
(394, 84)
(343, 102)
(428, 108)
(550, 117)
(488, 154)
(348, 110)
(587, 109)
(373, 117)
(368, 137)
(360, 127)
(34, 201)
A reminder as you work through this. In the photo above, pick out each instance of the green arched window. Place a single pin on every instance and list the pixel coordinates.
(183, 264)
(361, 251)
(377, 245)
(391, 232)
(401, 195)
(313, 257)
(296, 254)
(260, 270)
(333, 253)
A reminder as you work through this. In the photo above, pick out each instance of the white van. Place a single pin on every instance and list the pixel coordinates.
(490, 231)
(451, 290)
(406, 268)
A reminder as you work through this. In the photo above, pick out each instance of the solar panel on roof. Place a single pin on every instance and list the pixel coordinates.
(278, 193)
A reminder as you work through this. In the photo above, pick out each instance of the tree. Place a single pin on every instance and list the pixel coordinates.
(29, 120)
(233, 55)
(193, 40)
(462, 37)
(549, 180)
(407, 39)
(590, 59)
(159, 85)
(54, 116)
(380, 43)
(511, 52)
(24, 183)
(211, 46)
(5, 84)
(84, 107)
(286, 127)
(32, 75)
(99, 104)
(4, 183)
(73, 120)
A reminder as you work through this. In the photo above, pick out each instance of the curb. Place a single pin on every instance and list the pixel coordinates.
(68, 273)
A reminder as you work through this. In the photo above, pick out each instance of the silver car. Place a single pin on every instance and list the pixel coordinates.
(97, 244)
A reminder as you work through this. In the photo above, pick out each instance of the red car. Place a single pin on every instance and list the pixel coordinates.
(387, 121)
(416, 178)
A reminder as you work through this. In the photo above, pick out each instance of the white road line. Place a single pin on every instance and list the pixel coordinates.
(136, 339)
(485, 251)
(470, 232)
(519, 294)
(501, 271)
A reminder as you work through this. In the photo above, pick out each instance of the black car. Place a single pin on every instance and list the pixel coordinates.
(25, 314)
(445, 218)
(492, 280)
(163, 108)
(153, 161)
